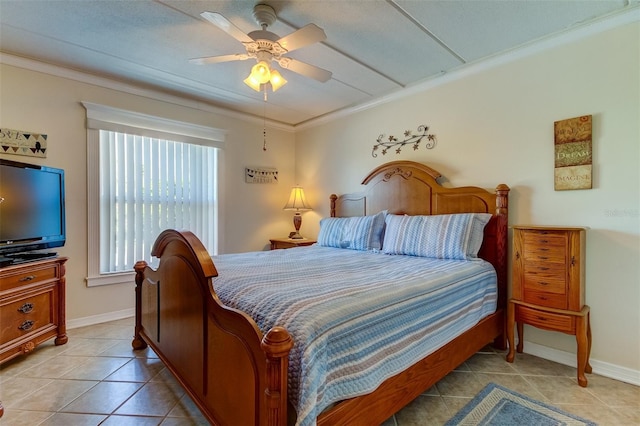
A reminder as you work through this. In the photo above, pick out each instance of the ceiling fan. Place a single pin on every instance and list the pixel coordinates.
(265, 47)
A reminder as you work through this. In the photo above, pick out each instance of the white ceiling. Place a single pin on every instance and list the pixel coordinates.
(373, 47)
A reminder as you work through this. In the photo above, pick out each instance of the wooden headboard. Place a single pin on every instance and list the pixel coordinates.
(407, 187)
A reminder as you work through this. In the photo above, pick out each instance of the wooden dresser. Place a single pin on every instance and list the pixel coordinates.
(32, 306)
(548, 287)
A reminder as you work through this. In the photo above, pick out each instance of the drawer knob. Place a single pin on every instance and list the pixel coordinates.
(26, 308)
(27, 278)
(543, 283)
(26, 325)
(541, 318)
(543, 257)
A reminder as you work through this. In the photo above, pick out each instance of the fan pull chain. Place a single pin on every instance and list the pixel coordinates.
(264, 122)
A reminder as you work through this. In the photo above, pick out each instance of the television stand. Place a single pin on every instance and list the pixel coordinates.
(32, 306)
(29, 257)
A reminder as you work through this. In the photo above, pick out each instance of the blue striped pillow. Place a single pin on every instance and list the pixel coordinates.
(356, 233)
(447, 236)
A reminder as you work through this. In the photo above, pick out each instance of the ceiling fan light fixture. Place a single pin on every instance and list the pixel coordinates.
(277, 80)
(255, 80)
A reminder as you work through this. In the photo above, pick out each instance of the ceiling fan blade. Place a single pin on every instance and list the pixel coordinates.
(217, 59)
(305, 69)
(225, 25)
(305, 36)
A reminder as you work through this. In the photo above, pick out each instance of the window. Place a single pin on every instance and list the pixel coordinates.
(148, 185)
(145, 175)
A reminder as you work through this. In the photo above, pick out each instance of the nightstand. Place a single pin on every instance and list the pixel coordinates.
(285, 243)
(548, 287)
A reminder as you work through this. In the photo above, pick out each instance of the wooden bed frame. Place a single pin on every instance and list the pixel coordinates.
(238, 376)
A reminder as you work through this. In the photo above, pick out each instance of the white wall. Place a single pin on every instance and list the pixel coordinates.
(44, 103)
(495, 125)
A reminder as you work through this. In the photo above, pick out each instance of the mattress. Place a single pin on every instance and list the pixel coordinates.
(356, 317)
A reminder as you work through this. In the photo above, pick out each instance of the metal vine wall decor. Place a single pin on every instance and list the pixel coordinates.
(410, 138)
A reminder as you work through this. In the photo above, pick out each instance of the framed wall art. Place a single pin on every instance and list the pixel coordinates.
(573, 154)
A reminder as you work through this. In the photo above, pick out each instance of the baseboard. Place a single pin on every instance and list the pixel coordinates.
(98, 319)
(601, 368)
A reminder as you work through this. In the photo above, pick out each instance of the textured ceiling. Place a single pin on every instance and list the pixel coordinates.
(373, 47)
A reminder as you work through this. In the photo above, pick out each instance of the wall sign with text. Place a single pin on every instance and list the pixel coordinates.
(260, 175)
(21, 142)
(573, 154)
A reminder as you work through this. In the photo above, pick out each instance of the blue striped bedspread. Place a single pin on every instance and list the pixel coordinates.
(356, 317)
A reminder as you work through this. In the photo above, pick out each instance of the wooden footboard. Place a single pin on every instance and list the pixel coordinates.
(234, 374)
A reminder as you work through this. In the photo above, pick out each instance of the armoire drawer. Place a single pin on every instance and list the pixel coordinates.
(544, 282)
(551, 300)
(546, 320)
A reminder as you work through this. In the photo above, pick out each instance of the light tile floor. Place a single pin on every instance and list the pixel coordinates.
(97, 379)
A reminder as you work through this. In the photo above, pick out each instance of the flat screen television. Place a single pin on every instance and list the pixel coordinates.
(32, 211)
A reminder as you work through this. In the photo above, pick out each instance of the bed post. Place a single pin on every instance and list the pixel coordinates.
(502, 237)
(333, 199)
(276, 344)
(138, 342)
(502, 255)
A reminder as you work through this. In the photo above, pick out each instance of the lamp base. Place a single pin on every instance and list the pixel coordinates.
(297, 221)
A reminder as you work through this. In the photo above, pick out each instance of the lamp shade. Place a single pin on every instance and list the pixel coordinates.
(261, 74)
(297, 200)
(277, 81)
(253, 83)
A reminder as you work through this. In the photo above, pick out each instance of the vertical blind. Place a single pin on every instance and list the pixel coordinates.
(148, 185)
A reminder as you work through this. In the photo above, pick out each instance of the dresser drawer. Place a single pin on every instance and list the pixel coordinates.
(544, 277)
(30, 276)
(547, 285)
(546, 320)
(545, 254)
(551, 300)
(546, 247)
(27, 315)
(545, 238)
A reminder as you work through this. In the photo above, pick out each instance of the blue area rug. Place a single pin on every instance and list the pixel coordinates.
(499, 406)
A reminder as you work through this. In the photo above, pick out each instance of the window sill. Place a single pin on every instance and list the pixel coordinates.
(114, 278)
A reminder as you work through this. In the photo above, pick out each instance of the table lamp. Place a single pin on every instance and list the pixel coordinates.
(297, 202)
